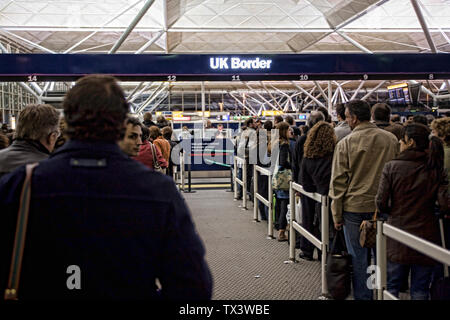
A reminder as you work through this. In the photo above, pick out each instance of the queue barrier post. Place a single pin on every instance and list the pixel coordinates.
(259, 197)
(291, 223)
(325, 241)
(244, 186)
(242, 182)
(381, 260)
(294, 225)
(385, 230)
(234, 177)
(269, 213)
(255, 192)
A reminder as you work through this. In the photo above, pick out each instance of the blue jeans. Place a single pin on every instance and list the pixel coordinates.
(420, 279)
(360, 256)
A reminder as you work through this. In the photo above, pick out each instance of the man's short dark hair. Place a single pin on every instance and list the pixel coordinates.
(155, 132)
(359, 108)
(315, 117)
(290, 120)
(420, 118)
(278, 118)
(95, 109)
(340, 110)
(148, 116)
(381, 112)
(134, 121)
(325, 113)
(167, 133)
(248, 122)
(268, 125)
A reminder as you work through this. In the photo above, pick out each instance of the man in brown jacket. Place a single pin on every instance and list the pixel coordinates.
(358, 161)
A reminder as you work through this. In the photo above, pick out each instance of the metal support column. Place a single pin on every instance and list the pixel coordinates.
(130, 28)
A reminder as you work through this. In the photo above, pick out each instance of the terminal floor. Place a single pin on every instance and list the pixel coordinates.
(244, 264)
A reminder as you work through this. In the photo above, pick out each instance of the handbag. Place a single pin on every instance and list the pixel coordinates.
(11, 291)
(339, 268)
(368, 232)
(281, 179)
(156, 166)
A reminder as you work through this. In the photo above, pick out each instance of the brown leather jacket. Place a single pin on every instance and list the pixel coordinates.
(407, 193)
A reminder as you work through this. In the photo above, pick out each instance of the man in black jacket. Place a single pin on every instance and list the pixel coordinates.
(101, 225)
(36, 135)
(148, 120)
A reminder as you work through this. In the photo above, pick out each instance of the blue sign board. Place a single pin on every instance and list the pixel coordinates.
(226, 67)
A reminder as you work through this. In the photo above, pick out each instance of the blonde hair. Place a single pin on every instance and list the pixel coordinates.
(442, 127)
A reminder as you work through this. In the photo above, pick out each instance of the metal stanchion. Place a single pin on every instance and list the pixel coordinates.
(291, 223)
(244, 186)
(325, 242)
(182, 171)
(381, 260)
(255, 191)
(235, 169)
(189, 180)
(270, 211)
(231, 180)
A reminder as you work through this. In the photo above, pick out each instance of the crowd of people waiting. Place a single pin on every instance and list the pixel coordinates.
(366, 162)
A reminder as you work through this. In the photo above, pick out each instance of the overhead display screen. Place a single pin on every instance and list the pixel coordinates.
(228, 67)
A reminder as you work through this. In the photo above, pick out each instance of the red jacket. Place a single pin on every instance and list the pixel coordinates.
(145, 156)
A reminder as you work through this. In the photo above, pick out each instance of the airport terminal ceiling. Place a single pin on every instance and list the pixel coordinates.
(226, 27)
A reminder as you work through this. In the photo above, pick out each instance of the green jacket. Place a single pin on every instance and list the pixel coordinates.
(358, 161)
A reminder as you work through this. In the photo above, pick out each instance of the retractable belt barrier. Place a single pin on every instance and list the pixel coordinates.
(294, 225)
(242, 182)
(256, 196)
(385, 230)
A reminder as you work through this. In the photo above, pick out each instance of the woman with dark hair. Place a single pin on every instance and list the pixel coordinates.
(315, 175)
(409, 187)
(284, 163)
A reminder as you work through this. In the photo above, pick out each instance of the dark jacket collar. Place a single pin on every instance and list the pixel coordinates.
(89, 148)
(382, 124)
(27, 143)
(412, 155)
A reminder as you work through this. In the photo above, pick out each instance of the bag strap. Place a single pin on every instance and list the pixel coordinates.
(339, 234)
(374, 218)
(155, 161)
(19, 241)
